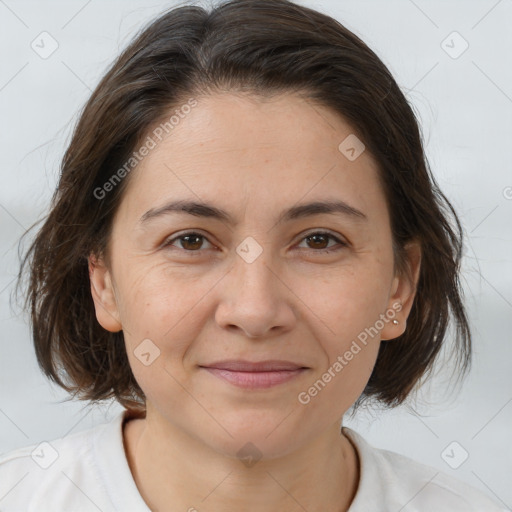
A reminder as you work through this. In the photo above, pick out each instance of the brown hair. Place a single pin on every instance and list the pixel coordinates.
(263, 48)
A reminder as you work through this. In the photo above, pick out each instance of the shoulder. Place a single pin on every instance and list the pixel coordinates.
(390, 481)
(61, 474)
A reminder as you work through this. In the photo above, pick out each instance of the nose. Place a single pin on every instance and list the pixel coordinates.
(255, 299)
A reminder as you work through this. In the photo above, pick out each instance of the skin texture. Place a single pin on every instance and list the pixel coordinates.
(253, 158)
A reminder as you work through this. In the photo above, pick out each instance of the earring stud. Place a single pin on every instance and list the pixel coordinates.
(395, 321)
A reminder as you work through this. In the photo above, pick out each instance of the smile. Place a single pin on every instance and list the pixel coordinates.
(257, 375)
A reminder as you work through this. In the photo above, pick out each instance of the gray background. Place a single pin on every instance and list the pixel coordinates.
(465, 108)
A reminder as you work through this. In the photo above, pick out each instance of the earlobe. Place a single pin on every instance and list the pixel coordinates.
(103, 295)
(403, 293)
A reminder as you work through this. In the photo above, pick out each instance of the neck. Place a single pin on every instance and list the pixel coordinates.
(172, 469)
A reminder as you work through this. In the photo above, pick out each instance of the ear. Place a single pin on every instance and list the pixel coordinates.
(403, 293)
(103, 295)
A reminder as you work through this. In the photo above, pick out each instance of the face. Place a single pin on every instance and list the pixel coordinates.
(190, 289)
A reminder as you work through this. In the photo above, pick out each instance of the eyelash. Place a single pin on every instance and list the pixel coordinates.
(169, 242)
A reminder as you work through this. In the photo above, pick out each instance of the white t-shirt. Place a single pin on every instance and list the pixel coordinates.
(88, 472)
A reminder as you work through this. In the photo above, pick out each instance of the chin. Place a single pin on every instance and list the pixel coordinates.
(269, 434)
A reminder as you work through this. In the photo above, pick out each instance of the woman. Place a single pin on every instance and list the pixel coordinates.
(245, 242)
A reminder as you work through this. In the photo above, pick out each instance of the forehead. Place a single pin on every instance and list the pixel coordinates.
(284, 126)
(238, 148)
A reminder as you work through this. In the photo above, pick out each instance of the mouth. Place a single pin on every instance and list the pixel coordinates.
(254, 375)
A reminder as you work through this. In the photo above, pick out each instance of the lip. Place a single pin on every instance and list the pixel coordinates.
(240, 365)
(254, 375)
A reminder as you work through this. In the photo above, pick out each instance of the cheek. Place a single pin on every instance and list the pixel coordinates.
(341, 379)
(163, 312)
(348, 300)
(158, 323)
(349, 305)
(159, 300)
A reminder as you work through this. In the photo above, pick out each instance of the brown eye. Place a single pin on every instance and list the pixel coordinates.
(319, 242)
(190, 242)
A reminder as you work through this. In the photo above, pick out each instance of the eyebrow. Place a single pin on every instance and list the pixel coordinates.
(202, 209)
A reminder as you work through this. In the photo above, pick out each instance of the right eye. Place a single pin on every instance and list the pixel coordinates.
(190, 241)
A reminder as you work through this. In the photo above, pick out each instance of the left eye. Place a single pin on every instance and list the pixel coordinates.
(320, 238)
(192, 242)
